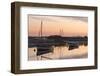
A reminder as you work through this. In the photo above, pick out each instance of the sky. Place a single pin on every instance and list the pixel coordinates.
(57, 25)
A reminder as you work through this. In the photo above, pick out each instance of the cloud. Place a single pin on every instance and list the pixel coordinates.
(44, 18)
(58, 18)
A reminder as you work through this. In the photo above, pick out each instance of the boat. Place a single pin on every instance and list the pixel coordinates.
(73, 45)
(44, 49)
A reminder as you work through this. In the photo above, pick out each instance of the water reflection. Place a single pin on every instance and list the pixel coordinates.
(59, 52)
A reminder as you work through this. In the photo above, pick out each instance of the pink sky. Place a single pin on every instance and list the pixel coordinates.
(71, 26)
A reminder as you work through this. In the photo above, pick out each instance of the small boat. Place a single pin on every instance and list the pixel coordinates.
(73, 45)
(44, 50)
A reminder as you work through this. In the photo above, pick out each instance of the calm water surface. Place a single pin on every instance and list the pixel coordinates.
(61, 52)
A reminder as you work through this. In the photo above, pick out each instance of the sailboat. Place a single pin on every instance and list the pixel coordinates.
(42, 48)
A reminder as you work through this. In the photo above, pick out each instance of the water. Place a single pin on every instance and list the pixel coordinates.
(59, 52)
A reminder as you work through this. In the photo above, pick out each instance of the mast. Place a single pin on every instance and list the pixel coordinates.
(61, 32)
(41, 29)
